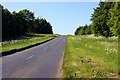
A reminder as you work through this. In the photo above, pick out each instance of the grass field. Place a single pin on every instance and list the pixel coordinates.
(25, 41)
(90, 57)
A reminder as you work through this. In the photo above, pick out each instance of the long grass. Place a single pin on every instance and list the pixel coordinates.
(25, 41)
(90, 57)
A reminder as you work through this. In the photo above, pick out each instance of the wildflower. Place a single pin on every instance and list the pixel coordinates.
(86, 45)
(90, 46)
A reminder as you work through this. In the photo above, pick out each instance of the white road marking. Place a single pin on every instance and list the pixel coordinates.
(30, 56)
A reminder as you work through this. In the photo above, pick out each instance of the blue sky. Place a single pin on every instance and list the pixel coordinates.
(65, 17)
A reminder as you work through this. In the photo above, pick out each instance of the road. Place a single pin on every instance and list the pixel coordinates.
(42, 61)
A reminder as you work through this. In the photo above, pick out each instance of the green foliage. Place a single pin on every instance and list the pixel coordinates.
(17, 24)
(42, 26)
(114, 21)
(83, 30)
(100, 17)
(105, 20)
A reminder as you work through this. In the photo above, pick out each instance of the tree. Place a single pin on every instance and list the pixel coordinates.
(21, 23)
(27, 16)
(83, 30)
(114, 21)
(41, 26)
(88, 30)
(6, 23)
(79, 31)
(100, 17)
(105, 20)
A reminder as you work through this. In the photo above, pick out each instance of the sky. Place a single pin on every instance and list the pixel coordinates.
(65, 17)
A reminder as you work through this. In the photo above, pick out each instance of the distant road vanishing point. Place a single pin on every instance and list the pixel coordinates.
(42, 61)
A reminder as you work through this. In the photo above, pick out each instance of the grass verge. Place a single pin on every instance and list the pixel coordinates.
(91, 57)
(25, 42)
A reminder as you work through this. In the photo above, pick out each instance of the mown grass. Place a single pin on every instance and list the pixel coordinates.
(90, 57)
(25, 41)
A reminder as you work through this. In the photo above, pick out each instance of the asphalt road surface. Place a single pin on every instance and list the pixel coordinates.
(42, 61)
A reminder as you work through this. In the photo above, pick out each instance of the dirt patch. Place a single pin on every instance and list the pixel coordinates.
(74, 63)
(76, 73)
(87, 60)
(113, 75)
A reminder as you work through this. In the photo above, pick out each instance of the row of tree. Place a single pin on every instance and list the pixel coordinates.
(105, 20)
(83, 30)
(21, 23)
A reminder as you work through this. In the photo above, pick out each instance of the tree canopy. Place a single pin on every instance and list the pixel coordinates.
(105, 20)
(21, 23)
(83, 30)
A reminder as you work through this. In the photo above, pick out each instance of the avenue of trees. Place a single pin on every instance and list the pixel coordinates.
(21, 23)
(105, 21)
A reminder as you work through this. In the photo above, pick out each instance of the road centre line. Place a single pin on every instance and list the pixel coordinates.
(30, 56)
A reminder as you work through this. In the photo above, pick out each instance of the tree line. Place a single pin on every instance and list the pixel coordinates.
(83, 30)
(105, 21)
(21, 23)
